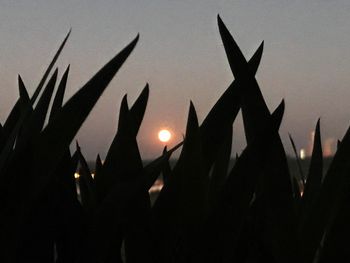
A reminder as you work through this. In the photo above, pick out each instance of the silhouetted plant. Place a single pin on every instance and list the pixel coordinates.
(206, 211)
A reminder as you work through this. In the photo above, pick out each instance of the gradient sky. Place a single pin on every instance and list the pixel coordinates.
(306, 60)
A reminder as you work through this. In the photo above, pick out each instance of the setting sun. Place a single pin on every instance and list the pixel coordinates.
(164, 135)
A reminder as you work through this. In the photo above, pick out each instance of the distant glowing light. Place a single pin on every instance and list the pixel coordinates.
(77, 175)
(302, 154)
(164, 135)
(158, 185)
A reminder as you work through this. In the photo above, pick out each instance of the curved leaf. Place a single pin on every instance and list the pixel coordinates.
(137, 111)
(58, 100)
(48, 70)
(315, 174)
(58, 134)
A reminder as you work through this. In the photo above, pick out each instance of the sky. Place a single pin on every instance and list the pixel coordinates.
(306, 60)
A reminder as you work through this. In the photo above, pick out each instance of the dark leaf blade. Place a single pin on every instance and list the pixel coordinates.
(48, 70)
(23, 93)
(301, 177)
(278, 114)
(238, 63)
(98, 167)
(149, 175)
(334, 245)
(218, 122)
(332, 198)
(2, 138)
(152, 170)
(123, 122)
(298, 180)
(65, 173)
(86, 184)
(124, 146)
(15, 113)
(137, 110)
(236, 59)
(279, 210)
(85, 167)
(255, 60)
(77, 109)
(42, 106)
(119, 199)
(279, 206)
(254, 108)
(7, 149)
(315, 174)
(116, 170)
(25, 132)
(314, 180)
(191, 131)
(182, 204)
(12, 119)
(166, 171)
(192, 124)
(220, 168)
(58, 134)
(35, 122)
(68, 211)
(18, 116)
(231, 210)
(222, 115)
(58, 100)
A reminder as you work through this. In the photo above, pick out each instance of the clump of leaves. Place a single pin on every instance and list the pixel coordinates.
(206, 211)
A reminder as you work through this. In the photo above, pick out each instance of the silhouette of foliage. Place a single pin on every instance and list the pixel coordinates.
(55, 208)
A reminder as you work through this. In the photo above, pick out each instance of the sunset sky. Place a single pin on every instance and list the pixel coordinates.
(306, 60)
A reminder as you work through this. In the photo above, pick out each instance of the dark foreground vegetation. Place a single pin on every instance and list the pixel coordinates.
(206, 211)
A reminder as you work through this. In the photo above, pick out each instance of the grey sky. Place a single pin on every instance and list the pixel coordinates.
(306, 59)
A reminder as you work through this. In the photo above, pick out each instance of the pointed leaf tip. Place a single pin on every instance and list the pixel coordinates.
(254, 62)
(318, 124)
(278, 113)
(147, 87)
(219, 19)
(81, 104)
(192, 116)
(137, 110)
(282, 105)
(135, 40)
(260, 50)
(125, 101)
(222, 26)
(22, 89)
(124, 106)
(192, 108)
(58, 99)
(47, 72)
(123, 113)
(145, 91)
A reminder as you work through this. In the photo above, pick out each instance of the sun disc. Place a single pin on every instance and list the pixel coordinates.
(164, 135)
